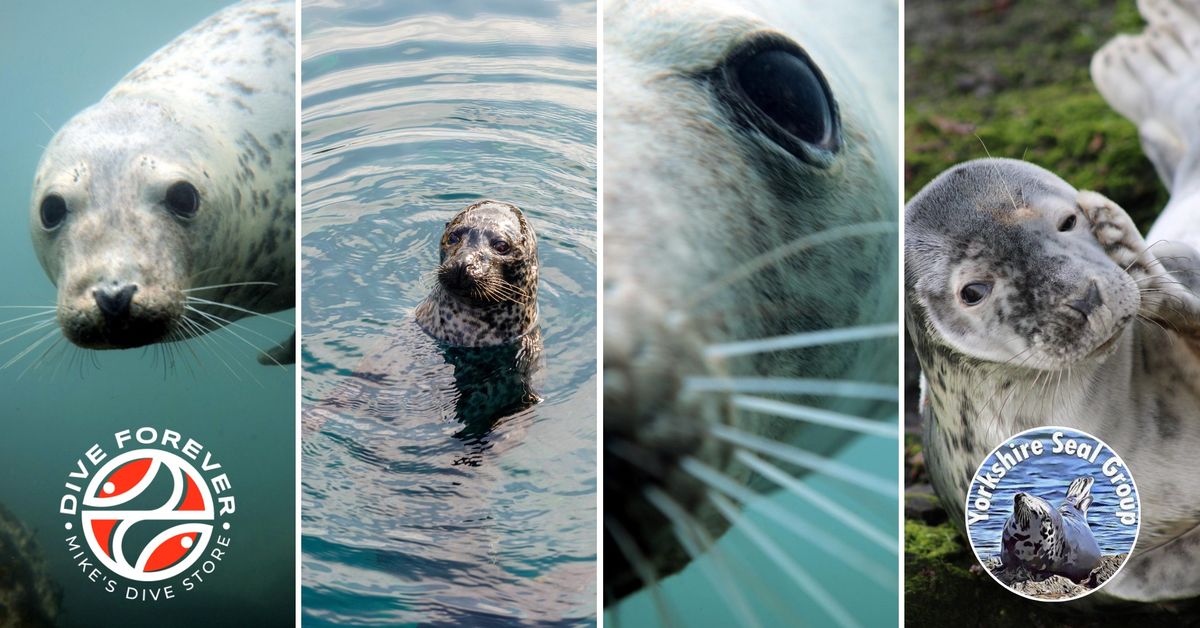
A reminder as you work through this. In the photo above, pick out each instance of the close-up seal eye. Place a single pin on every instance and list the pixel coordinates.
(1067, 224)
(975, 292)
(775, 87)
(182, 199)
(53, 211)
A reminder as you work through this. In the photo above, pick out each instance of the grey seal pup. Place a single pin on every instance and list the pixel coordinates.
(167, 209)
(755, 148)
(1043, 539)
(1030, 303)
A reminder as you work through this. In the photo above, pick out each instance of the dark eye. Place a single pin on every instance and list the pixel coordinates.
(973, 293)
(454, 238)
(501, 247)
(777, 88)
(53, 211)
(183, 199)
(1068, 224)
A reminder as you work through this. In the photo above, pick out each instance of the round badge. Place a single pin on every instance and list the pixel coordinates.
(1053, 513)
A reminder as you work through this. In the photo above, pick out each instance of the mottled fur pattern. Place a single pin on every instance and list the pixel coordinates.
(487, 280)
(1032, 353)
(215, 109)
(699, 189)
(1047, 540)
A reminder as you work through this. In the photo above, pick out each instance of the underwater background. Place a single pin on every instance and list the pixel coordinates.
(56, 58)
(412, 111)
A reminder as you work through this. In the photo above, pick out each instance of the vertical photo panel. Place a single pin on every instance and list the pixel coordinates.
(449, 351)
(750, 325)
(147, 316)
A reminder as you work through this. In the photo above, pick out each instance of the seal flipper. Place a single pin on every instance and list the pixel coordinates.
(1154, 80)
(282, 353)
(1079, 494)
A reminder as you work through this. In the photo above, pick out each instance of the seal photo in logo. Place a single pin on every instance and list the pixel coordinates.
(154, 512)
(1053, 513)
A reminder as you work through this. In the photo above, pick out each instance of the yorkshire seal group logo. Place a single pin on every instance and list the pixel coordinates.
(147, 515)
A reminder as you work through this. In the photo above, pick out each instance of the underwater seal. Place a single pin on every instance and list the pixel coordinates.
(755, 149)
(1047, 540)
(167, 209)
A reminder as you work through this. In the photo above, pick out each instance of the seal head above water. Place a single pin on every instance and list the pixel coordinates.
(486, 293)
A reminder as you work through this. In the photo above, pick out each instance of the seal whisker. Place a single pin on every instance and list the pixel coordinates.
(42, 357)
(792, 386)
(628, 547)
(28, 330)
(801, 340)
(28, 349)
(804, 459)
(27, 317)
(853, 558)
(240, 309)
(230, 325)
(780, 254)
(811, 587)
(695, 540)
(815, 416)
(791, 484)
(230, 285)
(201, 333)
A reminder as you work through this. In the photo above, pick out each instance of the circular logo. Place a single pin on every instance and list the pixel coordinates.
(187, 511)
(147, 513)
(1052, 514)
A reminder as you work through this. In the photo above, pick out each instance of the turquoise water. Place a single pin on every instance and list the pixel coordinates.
(1048, 476)
(412, 111)
(58, 58)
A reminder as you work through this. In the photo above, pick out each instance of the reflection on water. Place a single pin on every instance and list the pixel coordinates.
(432, 493)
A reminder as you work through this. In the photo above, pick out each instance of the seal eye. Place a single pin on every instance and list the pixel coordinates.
(1068, 224)
(776, 88)
(501, 247)
(53, 211)
(973, 293)
(183, 199)
(454, 238)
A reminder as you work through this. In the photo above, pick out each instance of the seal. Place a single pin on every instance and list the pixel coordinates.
(755, 149)
(487, 279)
(1045, 540)
(167, 209)
(1030, 303)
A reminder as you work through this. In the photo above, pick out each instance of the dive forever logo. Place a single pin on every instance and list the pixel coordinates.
(148, 514)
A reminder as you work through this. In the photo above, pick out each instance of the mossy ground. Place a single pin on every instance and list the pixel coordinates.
(1010, 79)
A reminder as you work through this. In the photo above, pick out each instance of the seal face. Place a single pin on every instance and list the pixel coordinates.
(753, 150)
(1047, 540)
(167, 209)
(487, 279)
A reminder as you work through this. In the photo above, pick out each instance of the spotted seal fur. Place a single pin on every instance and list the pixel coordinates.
(755, 147)
(1031, 303)
(486, 293)
(167, 209)
(1045, 540)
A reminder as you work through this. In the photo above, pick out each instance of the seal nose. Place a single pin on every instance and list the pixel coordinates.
(1090, 301)
(114, 300)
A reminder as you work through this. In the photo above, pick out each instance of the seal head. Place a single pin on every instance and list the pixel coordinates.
(1001, 264)
(1052, 541)
(486, 293)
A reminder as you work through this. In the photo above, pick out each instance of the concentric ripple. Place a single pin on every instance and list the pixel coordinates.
(411, 111)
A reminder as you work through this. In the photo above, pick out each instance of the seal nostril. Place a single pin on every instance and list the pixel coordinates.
(1090, 301)
(114, 301)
